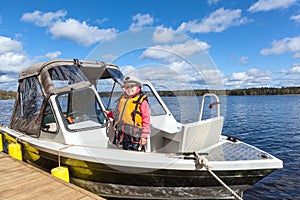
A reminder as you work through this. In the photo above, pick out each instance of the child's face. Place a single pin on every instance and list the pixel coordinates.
(130, 89)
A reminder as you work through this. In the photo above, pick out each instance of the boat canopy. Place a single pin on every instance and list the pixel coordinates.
(100, 70)
(39, 81)
(53, 77)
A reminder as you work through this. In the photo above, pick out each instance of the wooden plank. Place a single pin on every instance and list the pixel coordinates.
(19, 180)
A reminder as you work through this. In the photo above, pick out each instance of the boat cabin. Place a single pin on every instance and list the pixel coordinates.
(64, 101)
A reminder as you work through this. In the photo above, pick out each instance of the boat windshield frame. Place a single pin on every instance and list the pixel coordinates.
(80, 109)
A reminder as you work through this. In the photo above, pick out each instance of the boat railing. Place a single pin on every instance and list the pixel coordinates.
(216, 103)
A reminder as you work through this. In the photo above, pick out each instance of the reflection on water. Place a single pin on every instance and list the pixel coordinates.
(267, 122)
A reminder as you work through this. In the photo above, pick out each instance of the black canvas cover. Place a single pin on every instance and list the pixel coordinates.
(28, 104)
(36, 84)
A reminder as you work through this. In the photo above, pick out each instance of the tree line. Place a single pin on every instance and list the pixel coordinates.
(234, 92)
(7, 94)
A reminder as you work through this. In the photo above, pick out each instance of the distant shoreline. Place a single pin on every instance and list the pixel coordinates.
(263, 91)
(7, 94)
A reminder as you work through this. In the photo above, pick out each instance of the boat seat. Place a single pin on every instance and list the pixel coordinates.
(48, 118)
(50, 127)
(49, 123)
(196, 136)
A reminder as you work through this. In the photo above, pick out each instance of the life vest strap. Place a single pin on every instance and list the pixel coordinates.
(138, 103)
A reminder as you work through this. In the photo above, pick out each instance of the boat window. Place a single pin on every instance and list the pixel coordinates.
(110, 95)
(65, 75)
(49, 123)
(31, 98)
(155, 106)
(110, 92)
(116, 75)
(81, 109)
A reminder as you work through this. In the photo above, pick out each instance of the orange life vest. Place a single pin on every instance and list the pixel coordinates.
(129, 110)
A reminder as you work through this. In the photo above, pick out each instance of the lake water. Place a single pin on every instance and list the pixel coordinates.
(271, 123)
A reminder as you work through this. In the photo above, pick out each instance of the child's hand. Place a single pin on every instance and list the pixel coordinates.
(143, 141)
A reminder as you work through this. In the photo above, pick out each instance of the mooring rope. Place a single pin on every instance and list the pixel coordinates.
(18, 137)
(64, 147)
(204, 162)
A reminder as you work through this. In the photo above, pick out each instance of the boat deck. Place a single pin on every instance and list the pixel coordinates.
(19, 180)
(235, 151)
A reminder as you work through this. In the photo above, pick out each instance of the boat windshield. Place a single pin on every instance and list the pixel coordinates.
(81, 109)
(116, 75)
(110, 94)
(65, 75)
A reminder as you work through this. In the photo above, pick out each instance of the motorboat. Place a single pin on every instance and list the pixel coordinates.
(59, 119)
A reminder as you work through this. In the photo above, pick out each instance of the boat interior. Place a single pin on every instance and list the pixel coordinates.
(169, 135)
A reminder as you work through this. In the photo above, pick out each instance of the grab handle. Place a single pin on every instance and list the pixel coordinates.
(216, 103)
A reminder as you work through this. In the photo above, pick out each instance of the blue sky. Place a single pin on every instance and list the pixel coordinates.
(254, 43)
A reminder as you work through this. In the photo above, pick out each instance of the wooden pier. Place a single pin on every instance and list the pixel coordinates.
(19, 180)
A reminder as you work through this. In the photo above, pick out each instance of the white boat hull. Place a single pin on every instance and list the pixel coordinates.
(118, 173)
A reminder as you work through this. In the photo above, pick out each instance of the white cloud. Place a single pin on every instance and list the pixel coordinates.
(291, 45)
(171, 53)
(217, 21)
(181, 75)
(290, 77)
(13, 61)
(128, 69)
(6, 79)
(296, 69)
(293, 70)
(297, 55)
(81, 33)
(50, 55)
(266, 5)
(212, 77)
(177, 75)
(172, 76)
(8, 45)
(291, 80)
(12, 57)
(251, 78)
(239, 76)
(9, 81)
(53, 55)
(41, 19)
(140, 21)
(109, 57)
(256, 73)
(101, 21)
(212, 2)
(296, 18)
(165, 35)
(243, 60)
(71, 29)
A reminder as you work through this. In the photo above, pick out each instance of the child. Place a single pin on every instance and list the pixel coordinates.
(132, 116)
